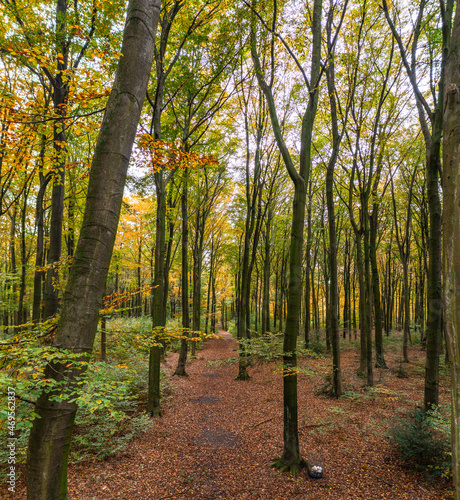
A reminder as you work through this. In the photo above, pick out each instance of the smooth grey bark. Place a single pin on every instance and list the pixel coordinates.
(51, 433)
(451, 226)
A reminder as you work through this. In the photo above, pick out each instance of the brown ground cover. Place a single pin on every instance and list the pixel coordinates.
(218, 436)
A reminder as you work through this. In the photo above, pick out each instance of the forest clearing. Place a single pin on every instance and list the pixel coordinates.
(286, 172)
(218, 437)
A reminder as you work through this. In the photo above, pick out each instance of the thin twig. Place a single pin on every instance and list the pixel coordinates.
(259, 423)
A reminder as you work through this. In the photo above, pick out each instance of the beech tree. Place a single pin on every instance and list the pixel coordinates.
(51, 432)
(291, 459)
(451, 225)
(431, 119)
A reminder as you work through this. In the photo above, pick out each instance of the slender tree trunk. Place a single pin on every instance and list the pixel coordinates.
(180, 370)
(291, 455)
(22, 284)
(103, 338)
(266, 277)
(208, 298)
(51, 432)
(379, 354)
(333, 291)
(13, 264)
(368, 299)
(406, 304)
(60, 88)
(197, 264)
(158, 313)
(39, 252)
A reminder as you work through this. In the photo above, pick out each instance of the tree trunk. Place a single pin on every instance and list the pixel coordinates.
(406, 303)
(379, 354)
(333, 291)
(60, 89)
(158, 313)
(451, 262)
(51, 432)
(307, 320)
(266, 277)
(197, 264)
(180, 369)
(39, 252)
(291, 454)
(22, 287)
(103, 338)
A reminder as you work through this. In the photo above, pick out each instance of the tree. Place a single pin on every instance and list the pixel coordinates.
(291, 459)
(51, 432)
(451, 226)
(431, 119)
(403, 239)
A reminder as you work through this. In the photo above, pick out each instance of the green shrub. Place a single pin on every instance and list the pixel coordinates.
(232, 328)
(422, 441)
(316, 345)
(101, 434)
(108, 413)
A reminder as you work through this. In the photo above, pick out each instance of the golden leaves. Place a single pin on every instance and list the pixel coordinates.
(171, 155)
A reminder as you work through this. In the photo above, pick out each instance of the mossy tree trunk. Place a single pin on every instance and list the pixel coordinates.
(51, 432)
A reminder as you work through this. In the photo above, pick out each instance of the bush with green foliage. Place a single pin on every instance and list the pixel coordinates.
(108, 416)
(422, 441)
(269, 347)
(109, 397)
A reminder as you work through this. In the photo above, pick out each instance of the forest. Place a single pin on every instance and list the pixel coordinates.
(230, 240)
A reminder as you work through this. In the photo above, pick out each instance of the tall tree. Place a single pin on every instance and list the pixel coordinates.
(336, 140)
(291, 458)
(431, 119)
(451, 225)
(51, 431)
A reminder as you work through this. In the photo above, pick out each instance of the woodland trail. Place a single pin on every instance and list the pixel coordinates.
(218, 436)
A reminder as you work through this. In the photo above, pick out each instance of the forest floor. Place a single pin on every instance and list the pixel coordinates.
(218, 437)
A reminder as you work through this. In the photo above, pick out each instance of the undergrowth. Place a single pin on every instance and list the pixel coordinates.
(110, 401)
(422, 441)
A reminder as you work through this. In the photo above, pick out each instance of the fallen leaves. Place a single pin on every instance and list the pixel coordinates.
(218, 438)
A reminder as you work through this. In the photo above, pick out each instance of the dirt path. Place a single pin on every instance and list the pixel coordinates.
(198, 449)
(218, 436)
